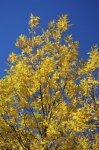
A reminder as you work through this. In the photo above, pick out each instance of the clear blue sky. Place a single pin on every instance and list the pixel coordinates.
(14, 15)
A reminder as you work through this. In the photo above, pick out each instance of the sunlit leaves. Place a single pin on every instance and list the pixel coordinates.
(62, 23)
(34, 21)
(12, 57)
(48, 99)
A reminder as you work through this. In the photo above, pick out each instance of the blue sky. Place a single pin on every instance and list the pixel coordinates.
(14, 16)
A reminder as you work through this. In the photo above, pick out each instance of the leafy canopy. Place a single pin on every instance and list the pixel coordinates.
(49, 97)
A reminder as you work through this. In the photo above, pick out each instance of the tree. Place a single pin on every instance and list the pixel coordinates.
(49, 97)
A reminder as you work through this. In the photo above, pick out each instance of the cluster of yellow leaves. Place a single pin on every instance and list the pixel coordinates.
(34, 21)
(12, 57)
(93, 61)
(62, 23)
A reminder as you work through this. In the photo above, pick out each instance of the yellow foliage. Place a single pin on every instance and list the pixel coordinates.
(48, 98)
